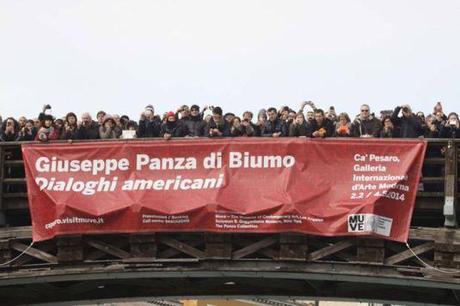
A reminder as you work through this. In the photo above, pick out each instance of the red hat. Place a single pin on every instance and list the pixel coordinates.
(170, 114)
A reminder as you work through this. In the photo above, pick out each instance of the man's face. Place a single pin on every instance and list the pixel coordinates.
(310, 116)
(100, 117)
(194, 112)
(171, 118)
(365, 112)
(319, 117)
(85, 120)
(148, 114)
(247, 117)
(185, 112)
(216, 117)
(272, 115)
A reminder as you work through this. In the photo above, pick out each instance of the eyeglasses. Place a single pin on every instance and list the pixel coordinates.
(364, 110)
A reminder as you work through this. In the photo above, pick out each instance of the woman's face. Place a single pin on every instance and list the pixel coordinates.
(109, 124)
(429, 121)
(452, 118)
(72, 120)
(387, 123)
(236, 122)
(343, 120)
(48, 123)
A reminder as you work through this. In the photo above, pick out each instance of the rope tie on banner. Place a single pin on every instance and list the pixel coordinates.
(429, 266)
(17, 257)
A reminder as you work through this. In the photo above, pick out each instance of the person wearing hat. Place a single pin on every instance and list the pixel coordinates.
(107, 129)
(217, 126)
(194, 126)
(47, 131)
(170, 128)
(149, 124)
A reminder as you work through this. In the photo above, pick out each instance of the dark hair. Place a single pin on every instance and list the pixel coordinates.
(71, 114)
(248, 113)
(319, 111)
(217, 110)
(384, 118)
(271, 109)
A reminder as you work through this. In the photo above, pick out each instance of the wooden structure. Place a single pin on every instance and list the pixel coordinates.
(108, 267)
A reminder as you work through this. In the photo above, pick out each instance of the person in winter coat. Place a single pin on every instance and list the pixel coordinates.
(28, 132)
(47, 132)
(88, 128)
(108, 128)
(430, 129)
(70, 127)
(320, 127)
(343, 126)
(272, 127)
(9, 130)
(387, 130)
(365, 125)
(408, 125)
(217, 126)
(451, 128)
(194, 125)
(171, 128)
(149, 124)
(299, 126)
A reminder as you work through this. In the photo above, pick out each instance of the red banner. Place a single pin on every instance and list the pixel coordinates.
(329, 187)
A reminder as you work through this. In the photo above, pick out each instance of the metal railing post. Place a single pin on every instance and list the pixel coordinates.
(450, 187)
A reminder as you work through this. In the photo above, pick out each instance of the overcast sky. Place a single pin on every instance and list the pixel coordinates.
(120, 56)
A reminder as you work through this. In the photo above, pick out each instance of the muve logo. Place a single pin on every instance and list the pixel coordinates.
(369, 223)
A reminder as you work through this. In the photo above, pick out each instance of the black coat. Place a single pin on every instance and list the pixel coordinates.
(449, 132)
(172, 128)
(194, 126)
(326, 124)
(88, 132)
(149, 128)
(224, 128)
(296, 130)
(407, 127)
(271, 127)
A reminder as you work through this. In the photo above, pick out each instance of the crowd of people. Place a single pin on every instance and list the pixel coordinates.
(402, 122)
